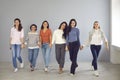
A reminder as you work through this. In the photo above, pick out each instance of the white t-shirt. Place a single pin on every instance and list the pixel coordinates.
(16, 35)
(58, 37)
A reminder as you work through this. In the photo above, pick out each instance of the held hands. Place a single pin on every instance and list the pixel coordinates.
(66, 48)
(50, 45)
(81, 47)
(106, 44)
(23, 46)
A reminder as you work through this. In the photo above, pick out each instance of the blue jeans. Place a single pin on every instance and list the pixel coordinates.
(95, 49)
(32, 56)
(16, 50)
(46, 53)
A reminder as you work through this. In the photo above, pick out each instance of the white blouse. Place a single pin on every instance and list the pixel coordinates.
(96, 37)
(58, 37)
(16, 35)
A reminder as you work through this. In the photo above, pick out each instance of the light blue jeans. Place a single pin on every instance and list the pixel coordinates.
(16, 50)
(32, 56)
(46, 54)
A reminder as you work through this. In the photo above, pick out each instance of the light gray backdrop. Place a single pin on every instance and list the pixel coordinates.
(54, 11)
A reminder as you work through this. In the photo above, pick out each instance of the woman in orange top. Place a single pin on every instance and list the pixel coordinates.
(46, 38)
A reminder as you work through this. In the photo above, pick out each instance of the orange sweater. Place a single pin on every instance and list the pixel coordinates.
(45, 36)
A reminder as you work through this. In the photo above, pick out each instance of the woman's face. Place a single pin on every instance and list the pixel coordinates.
(45, 24)
(16, 23)
(33, 28)
(63, 26)
(96, 25)
(73, 24)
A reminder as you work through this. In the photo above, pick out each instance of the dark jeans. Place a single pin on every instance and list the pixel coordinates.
(73, 51)
(60, 54)
(95, 49)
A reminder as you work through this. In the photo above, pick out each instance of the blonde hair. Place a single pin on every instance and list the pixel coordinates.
(94, 24)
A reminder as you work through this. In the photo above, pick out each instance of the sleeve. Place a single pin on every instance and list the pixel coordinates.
(11, 33)
(78, 35)
(104, 37)
(26, 39)
(22, 33)
(87, 42)
(67, 40)
(53, 38)
(38, 41)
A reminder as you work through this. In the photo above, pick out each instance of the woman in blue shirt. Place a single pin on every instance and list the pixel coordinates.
(73, 44)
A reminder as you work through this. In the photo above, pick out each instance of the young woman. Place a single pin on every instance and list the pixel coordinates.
(59, 37)
(73, 43)
(96, 36)
(17, 42)
(46, 39)
(33, 46)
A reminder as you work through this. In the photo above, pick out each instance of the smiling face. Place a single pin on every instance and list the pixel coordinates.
(33, 28)
(96, 25)
(45, 25)
(16, 23)
(63, 26)
(73, 24)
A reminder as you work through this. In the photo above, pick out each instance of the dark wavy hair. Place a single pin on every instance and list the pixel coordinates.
(42, 27)
(65, 30)
(33, 25)
(70, 27)
(20, 25)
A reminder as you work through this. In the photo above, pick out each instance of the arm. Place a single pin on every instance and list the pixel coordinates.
(50, 39)
(105, 40)
(53, 37)
(22, 39)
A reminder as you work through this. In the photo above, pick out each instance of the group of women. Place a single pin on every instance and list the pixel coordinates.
(66, 37)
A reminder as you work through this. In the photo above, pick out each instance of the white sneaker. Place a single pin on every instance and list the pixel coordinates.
(46, 69)
(16, 69)
(71, 74)
(96, 73)
(92, 68)
(21, 65)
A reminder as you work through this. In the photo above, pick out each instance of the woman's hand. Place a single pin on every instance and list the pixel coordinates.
(81, 47)
(106, 44)
(23, 46)
(66, 48)
(50, 45)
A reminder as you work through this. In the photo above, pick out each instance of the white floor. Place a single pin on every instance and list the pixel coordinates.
(107, 71)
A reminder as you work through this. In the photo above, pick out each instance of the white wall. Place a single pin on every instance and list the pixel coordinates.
(55, 11)
(115, 23)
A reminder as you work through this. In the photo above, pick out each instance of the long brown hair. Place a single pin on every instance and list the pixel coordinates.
(20, 25)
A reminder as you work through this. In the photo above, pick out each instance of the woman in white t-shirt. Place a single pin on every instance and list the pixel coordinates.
(59, 38)
(95, 40)
(17, 42)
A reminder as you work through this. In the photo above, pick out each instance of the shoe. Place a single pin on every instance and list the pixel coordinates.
(32, 69)
(96, 73)
(21, 65)
(71, 74)
(46, 69)
(30, 66)
(60, 71)
(16, 69)
(92, 67)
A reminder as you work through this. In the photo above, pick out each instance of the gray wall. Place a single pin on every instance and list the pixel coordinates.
(55, 11)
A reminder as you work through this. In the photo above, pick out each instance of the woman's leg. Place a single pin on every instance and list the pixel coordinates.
(14, 56)
(57, 50)
(94, 54)
(30, 55)
(44, 53)
(35, 55)
(47, 56)
(62, 55)
(18, 48)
